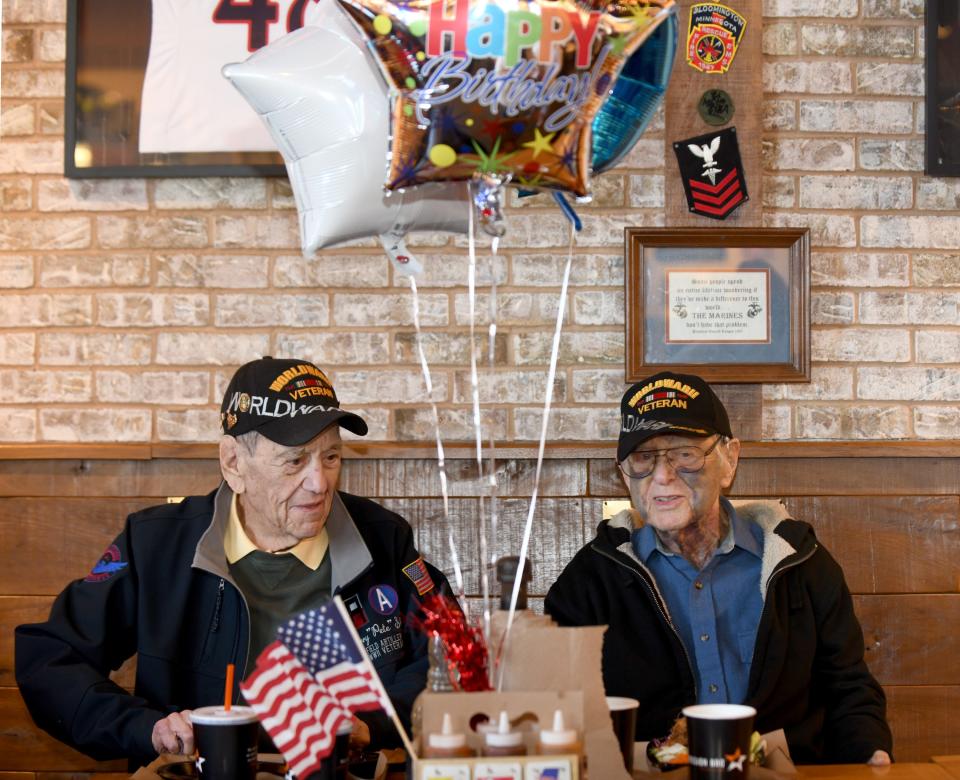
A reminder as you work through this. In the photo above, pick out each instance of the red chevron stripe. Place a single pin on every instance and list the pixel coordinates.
(713, 189)
(703, 209)
(720, 199)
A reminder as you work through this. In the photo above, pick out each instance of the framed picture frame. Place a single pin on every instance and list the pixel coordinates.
(108, 42)
(942, 97)
(730, 305)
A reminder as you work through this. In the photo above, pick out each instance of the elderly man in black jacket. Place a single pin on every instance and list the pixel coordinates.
(191, 587)
(711, 602)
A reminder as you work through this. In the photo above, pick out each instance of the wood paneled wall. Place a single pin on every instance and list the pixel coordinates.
(890, 513)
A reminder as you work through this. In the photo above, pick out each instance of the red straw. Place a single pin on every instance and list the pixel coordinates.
(228, 689)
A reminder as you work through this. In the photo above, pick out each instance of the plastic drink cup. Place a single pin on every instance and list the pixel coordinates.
(719, 740)
(623, 712)
(226, 742)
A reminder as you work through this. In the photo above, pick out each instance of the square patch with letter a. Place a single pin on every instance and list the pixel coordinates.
(712, 173)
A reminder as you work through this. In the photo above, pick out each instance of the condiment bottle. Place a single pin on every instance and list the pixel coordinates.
(503, 741)
(447, 744)
(558, 740)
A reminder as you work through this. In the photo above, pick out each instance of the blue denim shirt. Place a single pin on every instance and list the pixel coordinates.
(716, 610)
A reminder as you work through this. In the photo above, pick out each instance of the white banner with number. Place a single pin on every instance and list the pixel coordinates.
(186, 105)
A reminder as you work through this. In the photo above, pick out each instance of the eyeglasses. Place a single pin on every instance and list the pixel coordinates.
(687, 460)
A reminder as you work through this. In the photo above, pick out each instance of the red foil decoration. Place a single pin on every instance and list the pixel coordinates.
(463, 644)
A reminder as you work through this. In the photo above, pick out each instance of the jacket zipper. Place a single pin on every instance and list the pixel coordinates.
(217, 608)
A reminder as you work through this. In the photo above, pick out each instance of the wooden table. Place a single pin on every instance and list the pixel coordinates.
(927, 771)
(949, 763)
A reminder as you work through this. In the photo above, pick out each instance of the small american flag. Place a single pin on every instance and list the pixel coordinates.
(307, 684)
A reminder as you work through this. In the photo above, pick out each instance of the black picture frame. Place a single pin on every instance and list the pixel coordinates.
(768, 270)
(107, 46)
(942, 99)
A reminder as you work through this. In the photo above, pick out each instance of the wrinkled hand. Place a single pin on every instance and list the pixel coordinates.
(879, 758)
(174, 734)
(360, 736)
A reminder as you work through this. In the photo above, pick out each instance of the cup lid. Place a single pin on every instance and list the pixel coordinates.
(719, 711)
(218, 716)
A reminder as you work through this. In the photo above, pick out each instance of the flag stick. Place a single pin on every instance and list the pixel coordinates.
(375, 678)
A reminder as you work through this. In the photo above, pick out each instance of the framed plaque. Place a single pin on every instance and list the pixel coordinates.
(730, 305)
(942, 96)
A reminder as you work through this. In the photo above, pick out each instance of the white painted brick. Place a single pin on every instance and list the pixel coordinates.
(779, 115)
(860, 345)
(860, 270)
(17, 425)
(71, 310)
(921, 308)
(33, 83)
(908, 383)
(378, 422)
(256, 232)
(16, 194)
(887, 78)
(825, 229)
(827, 383)
(16, 45)
(45, 233)
(598, 307)
(893, 9)
(292, 311)
(18, 119)
(23, 11)
(938, 194)
(92, 195)
(95, 425)
(582, 424)
(513, 308)
(211, 193)
(884, 154)
(646, 191)
(53, 45)
(331, 270)
(16, 271)
(857, 40)
(453, 270)
(145, 232)
(541, 231)
(117, 270)
(646, 153)
(936, 270)
(395, 386)
(16, 349)
(50, 116)
(598, 386)
(120, 310)
(827, 8)
(281, 194)
(856, 192)
(938, 346)
(575, 348)
(825, 78)
(936, 422)
(391, 309)
(340, 348)
(187, 425)
(84, 349)
(211, 349)
(776, 423)
(831, 308)
(779, 191)
(509, 387)
(230, 271)
(818, 154)
(165, 388)
(28, 386)
(21, 311)
(852, 422)
(779, 38)
(448, 348)
(588, 269)
(856, 116)
(417, 424)
(417, 240)
(921, 231)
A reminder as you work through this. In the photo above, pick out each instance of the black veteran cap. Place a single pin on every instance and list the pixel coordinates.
(668, 403)
(289, 401)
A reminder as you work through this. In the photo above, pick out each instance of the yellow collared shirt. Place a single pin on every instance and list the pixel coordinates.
(236, 543)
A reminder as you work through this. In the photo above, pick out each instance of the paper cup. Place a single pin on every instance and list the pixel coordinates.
(623, 712)
(226, 742)
(719, 740)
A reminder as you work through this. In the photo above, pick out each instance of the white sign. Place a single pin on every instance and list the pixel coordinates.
(718, 306)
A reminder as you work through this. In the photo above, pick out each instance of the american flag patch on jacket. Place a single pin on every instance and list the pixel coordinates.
(419, 576)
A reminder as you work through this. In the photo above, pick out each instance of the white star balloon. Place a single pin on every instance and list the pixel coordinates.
(325, 103)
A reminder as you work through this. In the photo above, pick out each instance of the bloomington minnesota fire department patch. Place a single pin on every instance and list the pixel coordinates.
(712, 173)
(713, 37)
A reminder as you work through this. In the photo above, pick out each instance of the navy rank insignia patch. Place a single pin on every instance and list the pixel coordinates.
(712, 173)
(713, 37)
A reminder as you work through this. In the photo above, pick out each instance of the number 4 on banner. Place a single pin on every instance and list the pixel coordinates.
(258, 15)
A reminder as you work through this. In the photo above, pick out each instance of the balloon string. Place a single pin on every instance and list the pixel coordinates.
(441, 464)
(551, 374)
(492, 462)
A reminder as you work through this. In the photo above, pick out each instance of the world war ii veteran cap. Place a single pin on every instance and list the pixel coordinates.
(668, 403)
(289, 401)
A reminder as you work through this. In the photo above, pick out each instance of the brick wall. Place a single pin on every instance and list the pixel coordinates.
(125, 304)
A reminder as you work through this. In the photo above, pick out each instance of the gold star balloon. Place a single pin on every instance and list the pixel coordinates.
(500, 88)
